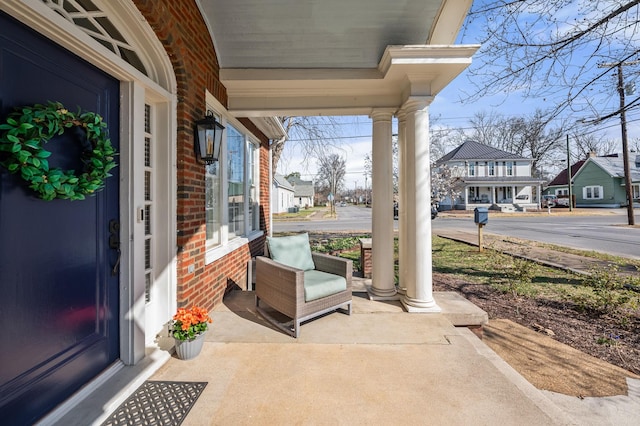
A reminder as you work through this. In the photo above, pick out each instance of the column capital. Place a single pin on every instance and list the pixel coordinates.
(416, 103)
(381, 114)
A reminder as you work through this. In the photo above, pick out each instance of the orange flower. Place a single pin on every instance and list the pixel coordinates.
(190, 322)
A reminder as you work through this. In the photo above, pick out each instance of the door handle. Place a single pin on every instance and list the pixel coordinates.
(114, 243)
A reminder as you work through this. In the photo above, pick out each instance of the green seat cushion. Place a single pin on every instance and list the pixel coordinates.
(293, 251)
(318, 284)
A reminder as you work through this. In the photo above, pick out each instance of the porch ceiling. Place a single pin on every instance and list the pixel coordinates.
(334, 57)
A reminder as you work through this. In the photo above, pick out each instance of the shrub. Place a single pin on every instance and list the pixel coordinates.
(517, 273)
(608, 288)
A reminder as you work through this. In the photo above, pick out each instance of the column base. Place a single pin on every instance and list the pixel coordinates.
(376, 294)
(419, 306)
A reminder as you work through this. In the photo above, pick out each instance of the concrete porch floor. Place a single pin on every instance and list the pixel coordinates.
(378, 366)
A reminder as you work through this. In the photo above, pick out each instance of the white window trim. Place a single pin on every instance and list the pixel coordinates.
(510, 168)
(600, 192)
(227, 245)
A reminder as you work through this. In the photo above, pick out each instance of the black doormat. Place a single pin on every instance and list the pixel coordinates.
(157, 403)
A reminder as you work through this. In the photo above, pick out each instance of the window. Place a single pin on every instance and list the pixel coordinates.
(254, 193)
(148, 203)
(509, 168)
(236, 181)
(472, 169)
(491, 168)
(635, 189)
(474, 193)
(232, 190)
(592, 193)
(213, 210)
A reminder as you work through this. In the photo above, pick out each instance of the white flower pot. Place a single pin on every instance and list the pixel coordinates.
(188, 349)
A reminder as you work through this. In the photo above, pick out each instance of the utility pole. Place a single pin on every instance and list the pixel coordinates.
(355, 192)
(569, 176)
(366, 194)
(625, 147)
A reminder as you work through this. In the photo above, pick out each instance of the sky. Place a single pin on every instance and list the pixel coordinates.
(446, 110)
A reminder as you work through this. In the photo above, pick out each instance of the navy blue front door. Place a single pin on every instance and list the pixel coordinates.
(58, 295)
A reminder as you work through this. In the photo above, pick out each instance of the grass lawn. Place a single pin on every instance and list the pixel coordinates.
(602, 292)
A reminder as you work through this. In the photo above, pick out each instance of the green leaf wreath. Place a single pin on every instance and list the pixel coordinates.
(25, 132)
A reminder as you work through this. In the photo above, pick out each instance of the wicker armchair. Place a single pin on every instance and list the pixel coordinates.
(282, 286)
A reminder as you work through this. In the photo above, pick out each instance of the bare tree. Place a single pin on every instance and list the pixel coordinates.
(490, 128)
(331, 173)
(532, 137)
(395, 172)
(316, 136)
(540, 140)
(551, 50)
(586, 143)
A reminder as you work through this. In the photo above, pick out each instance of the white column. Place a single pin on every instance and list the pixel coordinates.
(402, 211)
(419, 293)
(382, 277)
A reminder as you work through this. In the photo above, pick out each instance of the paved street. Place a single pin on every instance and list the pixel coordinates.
(595, 229)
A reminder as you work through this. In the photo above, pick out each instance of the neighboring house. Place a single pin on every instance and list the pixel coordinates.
(600, 182)
(88, 286)
(560, 184)
(304, 192)
(490, 177)
(282, 195)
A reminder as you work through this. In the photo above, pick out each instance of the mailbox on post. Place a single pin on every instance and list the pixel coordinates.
(481, 217)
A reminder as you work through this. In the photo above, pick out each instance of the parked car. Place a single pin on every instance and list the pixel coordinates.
(549, 201)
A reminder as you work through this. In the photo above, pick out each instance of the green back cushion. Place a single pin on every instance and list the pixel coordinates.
(293, 251)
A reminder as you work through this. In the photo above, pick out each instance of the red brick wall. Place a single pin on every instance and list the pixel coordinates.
(184, 35)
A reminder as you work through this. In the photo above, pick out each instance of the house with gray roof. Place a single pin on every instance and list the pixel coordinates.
(600, 182)
(282, 195)
(490, 177)
(304, 192)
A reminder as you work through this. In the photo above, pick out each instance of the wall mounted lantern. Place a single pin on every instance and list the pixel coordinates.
(208, 138)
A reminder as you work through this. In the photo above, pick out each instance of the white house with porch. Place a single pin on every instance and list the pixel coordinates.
(490, 177)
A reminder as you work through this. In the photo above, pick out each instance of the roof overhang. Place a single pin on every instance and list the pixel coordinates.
(403, 72)
(331, 57)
